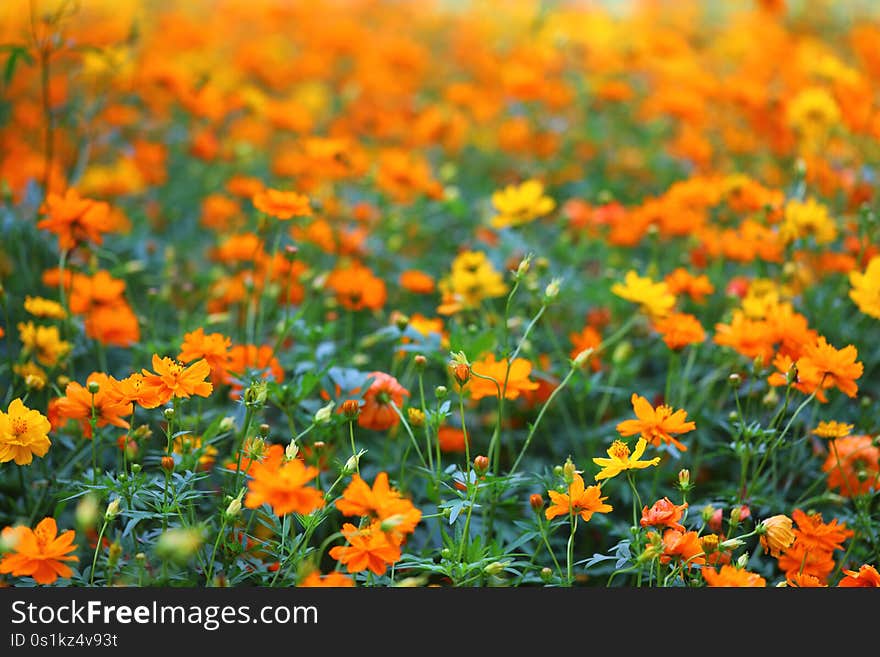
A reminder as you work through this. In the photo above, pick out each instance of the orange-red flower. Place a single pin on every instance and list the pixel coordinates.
(853, 465)
(75, 219)
(679, 330)
(283, 487)
(332, 579)
(656, 425)
(579, 501)
(173, 379)
(732, 577)
(682, 545)
(663, 513)
(377, 412)
(357, 288)
(368, 548)
(38, 553)
(417, 282)
(589, 338)
(822, 367)
(381, 502)
(213, 347)
(866, 577)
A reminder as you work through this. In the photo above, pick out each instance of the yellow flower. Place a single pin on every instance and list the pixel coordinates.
(655, 298)
(40, 307)
(832, 430)
(34, 376)
(521, 204)
(621, 459)
(473, 278)
(807, 218)
(812, 113)
(43, 341)
(865, 290)
(776, 534)
(23, 434)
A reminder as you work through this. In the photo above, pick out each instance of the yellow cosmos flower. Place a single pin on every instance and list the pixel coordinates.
(621, 459)
(807, 219)
(655, 299)
(44, 342)
(865, 291)
(40, 307)
(23, 434)
(833, 430)
(521, 204)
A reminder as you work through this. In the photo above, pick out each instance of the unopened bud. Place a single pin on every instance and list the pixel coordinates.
(732, 544)
(167, 463)
(536, 501)
(622, 352)
(291, 450)
(420, 362)
(546, 574)
(707, 512)
(461, 372)
(495, 568)
(135, 468)
(168, 413)
(742, 561)
(227, 424)
(351, 465)
(351, 408)
(234, 507)
(568, 471)
(524, 266)
(323, 415)
(87, 512)
(441, 392)
(112, 510)
(684, 479)
(263, 430)
(710, 543)
(735, 380)
(93, 387)
(392, 522)
(552, 290)
(481, 464)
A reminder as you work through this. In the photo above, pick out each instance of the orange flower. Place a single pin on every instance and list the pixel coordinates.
(282, 205)
(23, 434)
(382, 502)
(579, 501)
(109, 403)
(517, 379)
(368, 548)
(849, 460)
(683, 545)
(732, 577)
(815, 534)
(283, 487)
(357, 288)
(114, 324)
(38, 553)
(331, 580)
(377, 413)
(417, 282)
(776, 534)
(800, 559)
(75, 219)
(213, 347)
(679, 330)
(132, 389)
(250, 357)
(589, 338)
(451, 439)
(682, 281)
(663, 514)
(804, 581)
(172, 379)
(822, 366)
(656, 425)
(866, 577)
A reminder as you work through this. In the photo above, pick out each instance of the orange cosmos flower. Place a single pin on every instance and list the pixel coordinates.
(75, 219)
(679, 330)
(832, 429)
(114, 324)
(357, 288)
(381, 501)
(282, 205)
(517, 380)
(853, 465)
(815, 534)
(451, 439)
(283, 487)
(663, 513)
(682, 545)
(173, 379)
(800, 559)
(331, 580)
(579, 501)
(732, 577)
(213, 347)
(682, 281)
(368, 548)
(132, 389)
(23, 434)
(417, 282)
(589, 338)
(38, 553)
(109, 403)
(822, 366)
(250, 357)
(656, 425)
(866, 577)
(377, 412)
(804, 581)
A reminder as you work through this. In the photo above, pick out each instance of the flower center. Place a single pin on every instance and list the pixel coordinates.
(619, 450)
(19, 426)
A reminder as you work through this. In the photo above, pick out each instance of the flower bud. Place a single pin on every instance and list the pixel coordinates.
(291, 450)
(461, 372)
(581, 359)
(392, 522)
(524, 265)
(536, 501)
(323, 415)
(622, 352)
(86, 513)
(684, 479)
(168, 413)
(731, 544)
(710, 543)
(420, 362)
(263, 430)
(568, 471)
(552, 290)
(441, 392)
(546, 574)
(227, 424)
(742, 561)
(255, 394)
(178, 544)
(350, 408)
(93, 387)
(351, 465)
(112, 510)
(735, 380)
(481, 464)
(706, 512)
(167, 463)
(495, 568)
(234, 507)
(135, 468)
(114, 553)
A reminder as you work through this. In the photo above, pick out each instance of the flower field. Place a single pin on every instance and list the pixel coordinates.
(424, 293)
